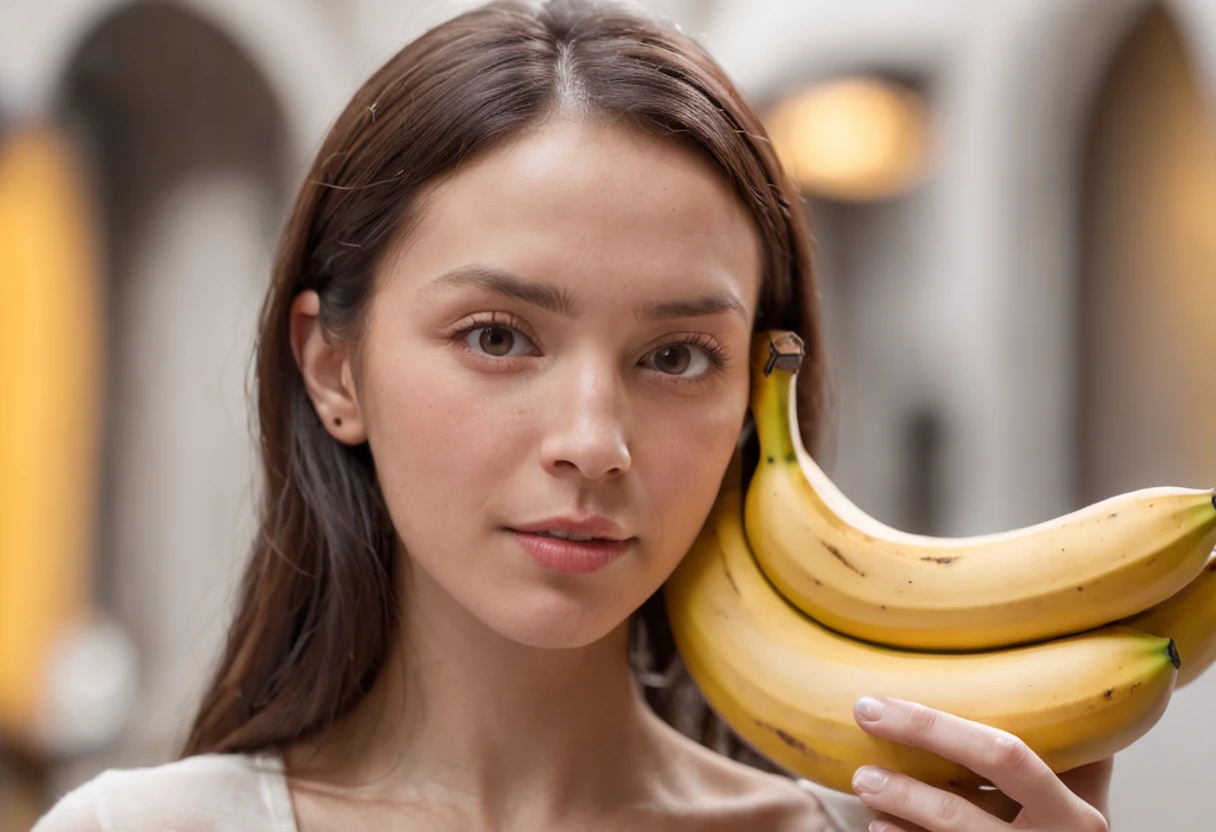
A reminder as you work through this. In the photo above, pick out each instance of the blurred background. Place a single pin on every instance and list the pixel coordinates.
(1014, 204)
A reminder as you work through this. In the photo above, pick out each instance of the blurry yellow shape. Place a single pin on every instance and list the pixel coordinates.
(50, 374)
(853, 138)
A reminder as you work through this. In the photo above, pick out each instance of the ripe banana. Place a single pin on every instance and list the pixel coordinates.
(1189, 618)
(868, 580)
(786, 684)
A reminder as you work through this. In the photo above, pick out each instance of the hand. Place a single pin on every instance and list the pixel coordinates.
(1028, 795)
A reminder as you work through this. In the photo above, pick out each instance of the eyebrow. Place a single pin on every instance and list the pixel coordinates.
(559, 301)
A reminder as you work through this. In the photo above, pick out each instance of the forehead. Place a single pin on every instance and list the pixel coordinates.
(607, 203)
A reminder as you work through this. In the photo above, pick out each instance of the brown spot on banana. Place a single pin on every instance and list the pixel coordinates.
(790, 740)
(1109, 693)
(836, 553)
(946, 561)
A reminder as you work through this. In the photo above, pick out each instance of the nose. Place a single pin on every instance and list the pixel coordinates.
(585, 430)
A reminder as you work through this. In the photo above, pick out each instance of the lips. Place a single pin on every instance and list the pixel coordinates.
(570, 557)
(597, 527)
(568, 536)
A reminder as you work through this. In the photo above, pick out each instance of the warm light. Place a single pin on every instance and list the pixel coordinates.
(853, 138)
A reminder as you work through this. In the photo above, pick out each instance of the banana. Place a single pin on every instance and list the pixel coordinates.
(1101, 563)
(786, 685)
(1189, 618)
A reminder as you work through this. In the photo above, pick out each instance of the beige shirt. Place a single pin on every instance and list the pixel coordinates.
(248, 793)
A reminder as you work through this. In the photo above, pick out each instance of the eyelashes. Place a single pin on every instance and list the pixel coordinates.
(715, 354)
(715, 357)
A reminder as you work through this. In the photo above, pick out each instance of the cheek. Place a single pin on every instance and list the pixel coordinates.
(442, 454)
(686, 460)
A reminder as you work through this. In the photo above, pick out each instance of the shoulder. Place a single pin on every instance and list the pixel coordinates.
(76, 811)
(778, 804)
(722, 793)
(195, 794)
(775, 803)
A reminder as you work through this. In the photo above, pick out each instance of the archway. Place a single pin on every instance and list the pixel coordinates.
(1146, 386)
(189, 150)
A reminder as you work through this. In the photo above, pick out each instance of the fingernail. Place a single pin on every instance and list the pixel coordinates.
(868, 779)
(869, 708)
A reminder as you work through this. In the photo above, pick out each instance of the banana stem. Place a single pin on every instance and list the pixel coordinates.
(776, 359)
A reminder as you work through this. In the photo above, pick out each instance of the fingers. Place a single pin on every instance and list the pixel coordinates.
(1091, 783)
(999, 756)
(901, 799)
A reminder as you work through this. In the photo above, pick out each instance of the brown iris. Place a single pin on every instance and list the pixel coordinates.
(675, 355)
(495, 338)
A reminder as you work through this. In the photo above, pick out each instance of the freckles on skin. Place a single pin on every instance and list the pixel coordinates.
(692, 473)
(465, 444)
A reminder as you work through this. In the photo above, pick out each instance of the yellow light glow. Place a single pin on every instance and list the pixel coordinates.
(51, 366)
(853, 138)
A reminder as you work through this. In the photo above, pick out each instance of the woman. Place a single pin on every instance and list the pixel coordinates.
(513, 302)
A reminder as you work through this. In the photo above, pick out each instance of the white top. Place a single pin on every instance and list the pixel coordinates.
(248, 793)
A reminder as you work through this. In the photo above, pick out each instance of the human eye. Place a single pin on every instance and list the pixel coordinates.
(698, 353)
(494, 338)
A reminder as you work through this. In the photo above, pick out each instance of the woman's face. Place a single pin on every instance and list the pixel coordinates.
(561, 393)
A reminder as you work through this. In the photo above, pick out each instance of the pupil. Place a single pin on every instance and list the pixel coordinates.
(493, 339)
(681, 362)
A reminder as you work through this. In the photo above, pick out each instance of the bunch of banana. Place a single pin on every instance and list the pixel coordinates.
(1071, 634)
(1106, 562)
(786, 684)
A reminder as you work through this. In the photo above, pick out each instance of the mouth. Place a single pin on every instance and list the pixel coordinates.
(568, 555)
(575, 538)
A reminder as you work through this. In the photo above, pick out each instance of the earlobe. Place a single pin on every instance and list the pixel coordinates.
(324, 365)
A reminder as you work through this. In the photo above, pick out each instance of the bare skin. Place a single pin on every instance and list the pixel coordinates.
(508, 704)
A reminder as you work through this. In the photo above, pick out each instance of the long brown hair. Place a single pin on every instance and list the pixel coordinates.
(317, 610)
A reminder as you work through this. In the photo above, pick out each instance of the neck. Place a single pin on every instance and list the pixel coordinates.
(494, 729)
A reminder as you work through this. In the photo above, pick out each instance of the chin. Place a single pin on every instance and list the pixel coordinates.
(556, 624)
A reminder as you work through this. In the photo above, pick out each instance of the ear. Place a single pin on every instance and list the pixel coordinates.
(325, 365)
